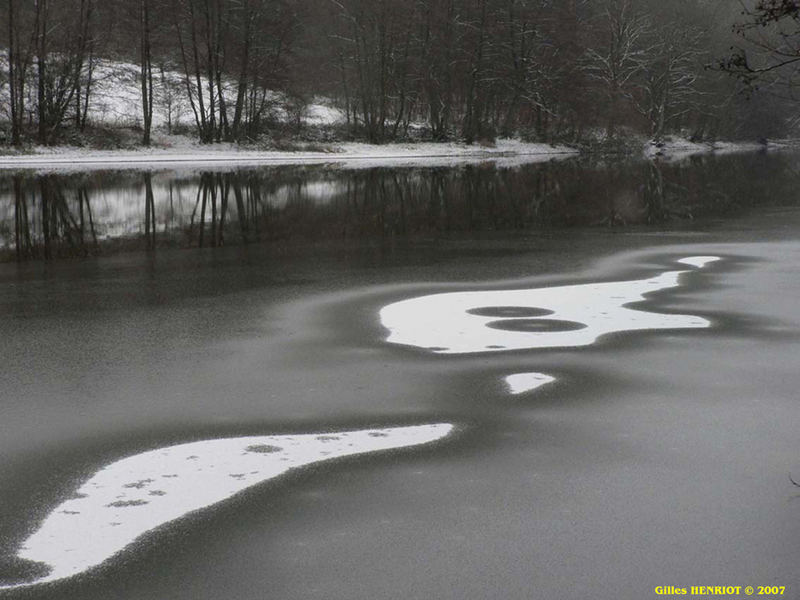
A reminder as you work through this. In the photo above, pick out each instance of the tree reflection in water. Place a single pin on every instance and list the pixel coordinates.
(44, 216)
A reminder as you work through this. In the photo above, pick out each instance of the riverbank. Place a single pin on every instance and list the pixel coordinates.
(169, 151)
(177, 150)
(676, 148)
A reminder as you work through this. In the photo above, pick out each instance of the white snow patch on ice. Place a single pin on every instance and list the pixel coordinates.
(519, 383)
(699, 261)
(134, 495)
(554, 317)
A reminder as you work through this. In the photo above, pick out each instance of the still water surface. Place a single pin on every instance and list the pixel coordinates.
(77, 214)
(611, 391)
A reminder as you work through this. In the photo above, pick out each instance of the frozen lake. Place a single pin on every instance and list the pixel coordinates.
(372, 387)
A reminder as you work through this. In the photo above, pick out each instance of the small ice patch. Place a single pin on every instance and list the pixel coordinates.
(519, 383)
(699, 261)
(114, 507)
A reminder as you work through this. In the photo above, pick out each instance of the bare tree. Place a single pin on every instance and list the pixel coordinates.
(772, 36)
(439, 38)
(375, 51)
(669, 77)
(219, 38)
(619, 55)
(62, 40)
(19, 59)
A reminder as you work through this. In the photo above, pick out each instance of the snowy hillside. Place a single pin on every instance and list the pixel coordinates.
(116, 100)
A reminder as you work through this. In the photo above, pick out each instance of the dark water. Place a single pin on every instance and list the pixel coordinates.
(61, 215)
(656, 458)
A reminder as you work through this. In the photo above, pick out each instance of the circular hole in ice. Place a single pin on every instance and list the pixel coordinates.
(519, 312)
(263, 449)
(536, 325)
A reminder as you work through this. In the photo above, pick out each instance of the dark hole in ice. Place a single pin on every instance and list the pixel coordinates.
(510, 311)
(536, 325)
(138, 484)
(263, 448)
(124, 503)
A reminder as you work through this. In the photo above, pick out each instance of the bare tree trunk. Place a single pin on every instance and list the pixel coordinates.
(472, 116)
(198, 116)
(241, 93)
(16, 104)
(40, 29)
(204, 128)
(218, 63)
(146, 74)
(88, 89)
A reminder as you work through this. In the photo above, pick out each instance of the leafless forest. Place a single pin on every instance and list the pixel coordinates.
(565, 70)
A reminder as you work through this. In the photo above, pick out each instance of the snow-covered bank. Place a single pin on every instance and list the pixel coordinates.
(180, 151)
(357, 154)
(675, 148)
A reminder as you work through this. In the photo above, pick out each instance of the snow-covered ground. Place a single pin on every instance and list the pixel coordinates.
(116, 98)
(675, 148)
(182, 151)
